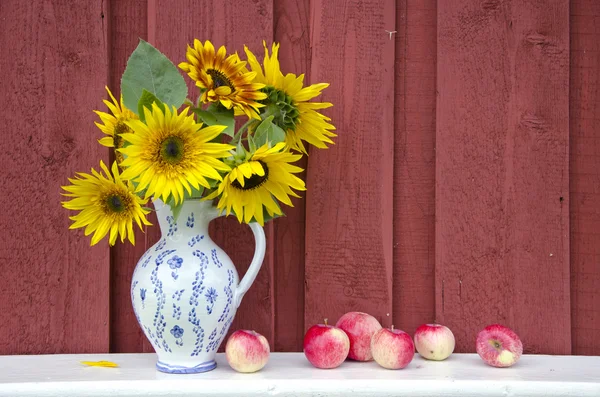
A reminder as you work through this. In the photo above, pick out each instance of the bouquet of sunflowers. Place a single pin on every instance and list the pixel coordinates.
(171, 148)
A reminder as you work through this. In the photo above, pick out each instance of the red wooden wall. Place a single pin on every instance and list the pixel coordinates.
(464, 186)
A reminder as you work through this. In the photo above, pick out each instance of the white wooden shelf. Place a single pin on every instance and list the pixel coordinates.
(290, 374)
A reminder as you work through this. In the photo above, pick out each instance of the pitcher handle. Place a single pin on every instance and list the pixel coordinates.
(257, 260)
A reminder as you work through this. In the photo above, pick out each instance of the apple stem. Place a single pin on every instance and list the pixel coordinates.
(325, 321)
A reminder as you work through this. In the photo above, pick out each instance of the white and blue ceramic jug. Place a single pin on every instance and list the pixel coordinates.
(185, 290)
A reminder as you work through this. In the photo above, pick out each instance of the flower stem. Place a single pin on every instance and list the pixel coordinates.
(238, 135)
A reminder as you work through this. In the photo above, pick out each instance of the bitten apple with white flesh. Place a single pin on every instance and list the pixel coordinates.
(499, 346)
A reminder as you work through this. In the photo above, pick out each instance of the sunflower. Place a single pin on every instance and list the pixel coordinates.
(223, 78)
(107, 204)
(114, 125)
(287, 99)
(265, 174)
(172, 152)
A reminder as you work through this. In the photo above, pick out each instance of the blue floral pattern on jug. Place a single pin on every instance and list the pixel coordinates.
(225, 317)
(224, 329)
(172, 226)
(190, 220)
(198, 283)
(216, 342)
(195, 239)
(197, 330)
(212, 341)
(229, 294)
(175, 263)
(146, 261)
(161, 257)
(160, 245)
(159, 318)
(133, 285)
(176, 306)
(152, 336)
(177, 294)
(176, 312)
(215, 258)
(211, 296)
(177, 333)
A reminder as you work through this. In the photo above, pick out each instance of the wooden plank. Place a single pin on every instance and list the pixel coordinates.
(53, 71)
(414, 164)
(127, 22)
(502, 231)
(585, 176)
(291, 23)
(232, 24)
(350, 196)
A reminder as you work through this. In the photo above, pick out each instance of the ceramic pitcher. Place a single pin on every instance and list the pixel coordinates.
(185, 290)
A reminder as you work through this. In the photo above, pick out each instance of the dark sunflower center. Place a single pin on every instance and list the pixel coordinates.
(121, 128)
(115, 203)
(219, 78)
(118, 141)
(171, 150)
(282, 106)
(254, 181)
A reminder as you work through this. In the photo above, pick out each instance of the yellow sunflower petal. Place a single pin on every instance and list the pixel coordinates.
(104, 203)
(106, 364)
(302, 122)
(114, 124)
(224, 79)
(171, 152)
(253, 186)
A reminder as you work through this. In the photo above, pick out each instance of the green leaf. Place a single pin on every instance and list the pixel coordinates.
(175, 208)
(148, 69)
(146, 101)
(196, 193)
(278, 135)
(218, 115)
(268, 132)
(252, 144)
(212, 182)
(264, 126)
(240, 149)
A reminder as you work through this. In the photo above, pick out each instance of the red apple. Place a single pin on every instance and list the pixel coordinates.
(499, 346)
(247, 351)
(434, 341)
(360, 327)
(326, 346)
(392, 348)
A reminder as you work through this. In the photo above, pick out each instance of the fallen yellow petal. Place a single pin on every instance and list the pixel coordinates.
(107, 364)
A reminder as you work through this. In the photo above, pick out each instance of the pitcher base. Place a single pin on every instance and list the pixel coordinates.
(179, 369)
